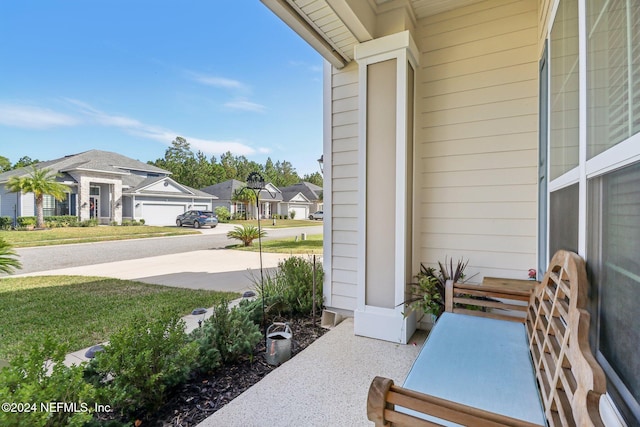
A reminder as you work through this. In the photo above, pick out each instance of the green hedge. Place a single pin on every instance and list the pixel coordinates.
(5, 222)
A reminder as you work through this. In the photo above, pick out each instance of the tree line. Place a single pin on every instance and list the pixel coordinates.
(198, 171)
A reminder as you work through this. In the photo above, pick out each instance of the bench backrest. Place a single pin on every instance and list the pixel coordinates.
(570, 380)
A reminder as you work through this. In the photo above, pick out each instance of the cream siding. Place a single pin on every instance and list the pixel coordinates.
(344, 196)
(476, 177)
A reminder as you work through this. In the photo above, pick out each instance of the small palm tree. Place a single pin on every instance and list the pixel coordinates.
(39, 182)
(8, 261)
(246, 234)
(243, 195)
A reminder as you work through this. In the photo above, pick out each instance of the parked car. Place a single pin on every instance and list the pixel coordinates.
(197, 219)
(316, 215)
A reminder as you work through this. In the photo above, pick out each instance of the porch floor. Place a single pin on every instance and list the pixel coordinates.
(326, 384)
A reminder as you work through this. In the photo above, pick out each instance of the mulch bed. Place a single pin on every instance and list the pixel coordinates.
(203, 395)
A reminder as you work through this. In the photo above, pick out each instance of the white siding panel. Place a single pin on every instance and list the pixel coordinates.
(476, 178)
(344, 180)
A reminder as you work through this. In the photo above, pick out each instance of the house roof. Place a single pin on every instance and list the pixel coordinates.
(92, 160)
(309, 190)
(335, 27)
(143, 183)
(224, 190)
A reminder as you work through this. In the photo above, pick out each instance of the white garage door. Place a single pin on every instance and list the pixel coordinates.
(302, 212)
(155, 214)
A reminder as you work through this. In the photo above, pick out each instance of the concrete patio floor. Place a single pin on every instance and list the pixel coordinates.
(326, 384)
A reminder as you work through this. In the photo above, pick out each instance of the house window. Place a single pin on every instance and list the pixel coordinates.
(613, 71)
(564, 89)
(563, 224)
(53, 207)
(614, 245)
(595, 208)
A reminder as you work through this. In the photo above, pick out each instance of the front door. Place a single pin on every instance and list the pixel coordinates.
(93, 207)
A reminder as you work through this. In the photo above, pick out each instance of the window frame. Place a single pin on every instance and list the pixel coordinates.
(620, 155)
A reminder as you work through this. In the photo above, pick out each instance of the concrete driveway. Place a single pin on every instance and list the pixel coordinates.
(213, 269)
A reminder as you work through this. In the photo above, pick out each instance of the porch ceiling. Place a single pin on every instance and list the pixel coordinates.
(334, 27)
(424, 8)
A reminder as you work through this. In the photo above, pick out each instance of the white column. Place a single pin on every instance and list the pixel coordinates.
(385, 256)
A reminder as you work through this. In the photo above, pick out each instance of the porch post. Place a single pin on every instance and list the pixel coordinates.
(385, 249)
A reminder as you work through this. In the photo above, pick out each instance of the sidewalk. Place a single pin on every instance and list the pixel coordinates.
(213, 269)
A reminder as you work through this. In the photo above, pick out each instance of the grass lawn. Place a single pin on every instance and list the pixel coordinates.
(84, 311)
(289, 245)
(280, 223)
(59, 236)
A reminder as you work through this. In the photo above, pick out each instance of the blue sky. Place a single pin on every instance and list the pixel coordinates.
(130, 76)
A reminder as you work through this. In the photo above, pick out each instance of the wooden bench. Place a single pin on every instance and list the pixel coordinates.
(511, 363)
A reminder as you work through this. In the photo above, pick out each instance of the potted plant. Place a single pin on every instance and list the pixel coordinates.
(428, 293)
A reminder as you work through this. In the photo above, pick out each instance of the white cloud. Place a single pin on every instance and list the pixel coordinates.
(30, 117)
(156, 133)
(217, 81)
(264, 150)
(244, 105)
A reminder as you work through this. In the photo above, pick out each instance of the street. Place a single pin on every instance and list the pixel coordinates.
(195, 261)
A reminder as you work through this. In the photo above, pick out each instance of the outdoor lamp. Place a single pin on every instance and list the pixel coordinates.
(321, 163)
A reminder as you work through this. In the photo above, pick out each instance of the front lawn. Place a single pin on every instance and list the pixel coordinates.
(85, 310)
(60, 236)
(280, 223)
(288, 245)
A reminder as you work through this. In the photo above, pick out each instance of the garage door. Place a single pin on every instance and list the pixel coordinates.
(302, 212)
(155, 214)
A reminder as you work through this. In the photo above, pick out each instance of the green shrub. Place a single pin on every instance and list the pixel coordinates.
(225, 336)
(26, 221)
(145, 360)
(38, 375)
(93, 222)
(222, 213)
(61, 221)
(246, 234)
(292, 214)
(6, 222)
(288, 291)
(296, 275)
(141, 221)
(126, 222)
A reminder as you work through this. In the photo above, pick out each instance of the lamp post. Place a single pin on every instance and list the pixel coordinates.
(321, 163)
(255, 182)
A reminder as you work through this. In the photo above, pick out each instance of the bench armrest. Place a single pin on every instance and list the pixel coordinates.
(384, 396)
(504, 299)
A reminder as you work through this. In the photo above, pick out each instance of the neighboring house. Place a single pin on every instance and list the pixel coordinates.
(494, 130)
(295, 201)
(109, 187)
(311, 192)
(270, 199)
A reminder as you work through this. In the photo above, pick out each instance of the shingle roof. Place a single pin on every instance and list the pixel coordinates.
(310, 191)
(95, 160)
(145, 182)
(224, 190)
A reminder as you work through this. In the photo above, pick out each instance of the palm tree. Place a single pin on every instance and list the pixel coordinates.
(8, 262)
(39, 182)
(244, 195)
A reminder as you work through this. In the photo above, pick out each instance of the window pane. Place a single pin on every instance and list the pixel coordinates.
(613, 73)
(48, 205)
(616, 245)
(563, 223)
(564, 89)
